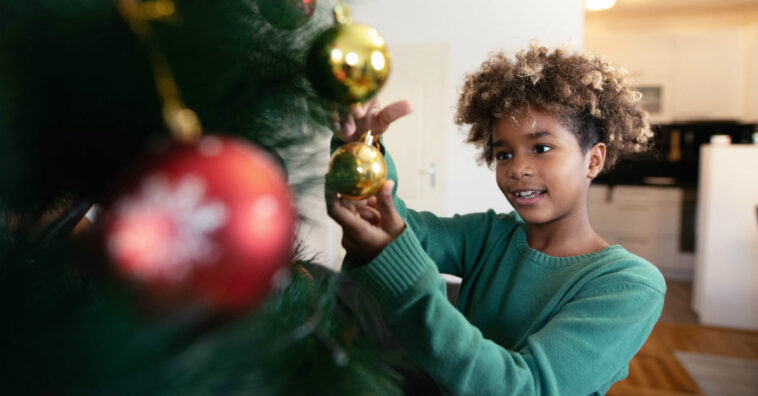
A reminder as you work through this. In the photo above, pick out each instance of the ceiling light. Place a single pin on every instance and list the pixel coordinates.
(597, 5)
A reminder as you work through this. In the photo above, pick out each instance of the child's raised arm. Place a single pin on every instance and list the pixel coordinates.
(450, 242)
(367, 225)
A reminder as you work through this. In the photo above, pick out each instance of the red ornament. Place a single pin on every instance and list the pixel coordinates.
(287, 14)
(206, 225)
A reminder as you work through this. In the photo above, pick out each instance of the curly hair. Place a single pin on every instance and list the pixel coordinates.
(594, 100)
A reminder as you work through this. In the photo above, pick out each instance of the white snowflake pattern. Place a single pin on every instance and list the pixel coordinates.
(191, 216)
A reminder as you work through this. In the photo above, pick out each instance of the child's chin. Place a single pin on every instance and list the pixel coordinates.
(532, 218)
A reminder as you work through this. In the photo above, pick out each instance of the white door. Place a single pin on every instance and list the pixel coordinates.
(416, 143)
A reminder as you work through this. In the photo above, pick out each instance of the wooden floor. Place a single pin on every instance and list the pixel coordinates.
(655, 371)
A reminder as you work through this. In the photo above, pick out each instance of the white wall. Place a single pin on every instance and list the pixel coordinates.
(472, 29)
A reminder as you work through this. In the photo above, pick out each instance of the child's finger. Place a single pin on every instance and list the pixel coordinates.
(371, 215)
(391, 220)
(334, 118)
(359, 110)
(362, 114)
(348, 218)
(347, 130)
(371, 201)
(333, 202)
(382, 120)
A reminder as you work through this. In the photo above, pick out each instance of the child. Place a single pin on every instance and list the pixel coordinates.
(546, 306)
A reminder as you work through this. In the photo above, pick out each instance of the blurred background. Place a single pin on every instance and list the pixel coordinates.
(690, 206)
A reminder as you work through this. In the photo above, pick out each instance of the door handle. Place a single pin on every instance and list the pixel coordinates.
(432, 172)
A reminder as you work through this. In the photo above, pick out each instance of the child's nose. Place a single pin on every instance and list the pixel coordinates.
(521, 167)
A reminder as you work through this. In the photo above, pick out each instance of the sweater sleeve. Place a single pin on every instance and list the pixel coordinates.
(582, 349)
(452, 243)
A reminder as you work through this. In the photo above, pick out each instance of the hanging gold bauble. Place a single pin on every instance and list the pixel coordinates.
(356, 170)
(348, 63)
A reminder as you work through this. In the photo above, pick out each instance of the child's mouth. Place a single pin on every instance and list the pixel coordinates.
(527, 197)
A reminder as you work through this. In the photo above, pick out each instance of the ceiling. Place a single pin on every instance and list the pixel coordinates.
(679, 5)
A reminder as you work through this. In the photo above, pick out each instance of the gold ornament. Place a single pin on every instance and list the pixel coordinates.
(349, 62)
(357, 170)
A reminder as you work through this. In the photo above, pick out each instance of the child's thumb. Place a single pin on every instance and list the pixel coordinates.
(391, 220)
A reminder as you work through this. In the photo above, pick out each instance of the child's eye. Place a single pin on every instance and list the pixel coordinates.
(542, 148)
(503, 155)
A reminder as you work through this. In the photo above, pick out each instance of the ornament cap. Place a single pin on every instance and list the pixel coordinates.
(368, 138)
(342, 14)
(182, 122)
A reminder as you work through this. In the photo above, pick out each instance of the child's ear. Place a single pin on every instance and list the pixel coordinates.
(597, 159)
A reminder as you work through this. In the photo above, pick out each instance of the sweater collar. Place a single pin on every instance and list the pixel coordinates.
(538, 257)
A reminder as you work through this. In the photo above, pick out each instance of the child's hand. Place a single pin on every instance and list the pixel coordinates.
(369, 116)
(368, 226)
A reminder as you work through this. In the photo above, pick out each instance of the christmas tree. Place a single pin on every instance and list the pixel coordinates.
(189, 281)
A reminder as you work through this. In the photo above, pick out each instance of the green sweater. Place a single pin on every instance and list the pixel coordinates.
(525, 323)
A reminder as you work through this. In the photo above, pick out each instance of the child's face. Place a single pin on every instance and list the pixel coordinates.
(541, 168)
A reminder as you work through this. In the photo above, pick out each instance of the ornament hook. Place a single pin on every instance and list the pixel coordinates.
(181, 121)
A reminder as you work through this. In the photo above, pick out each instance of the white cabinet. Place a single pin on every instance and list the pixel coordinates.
(644, 220)
(725, 290)
(752, 92)
(702, 74)
(647, 56)
(710, 74)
